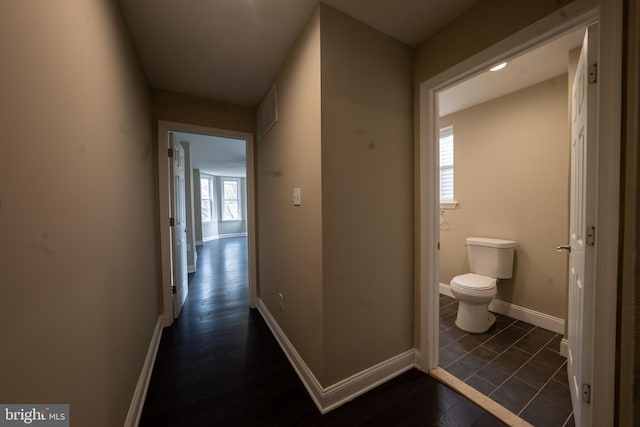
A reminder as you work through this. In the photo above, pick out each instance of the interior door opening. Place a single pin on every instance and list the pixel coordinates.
(606, 205)
(231, 211)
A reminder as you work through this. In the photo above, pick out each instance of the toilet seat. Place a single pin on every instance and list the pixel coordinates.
(474, 282)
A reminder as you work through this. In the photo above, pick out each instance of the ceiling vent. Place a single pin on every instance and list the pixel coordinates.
(267, 114)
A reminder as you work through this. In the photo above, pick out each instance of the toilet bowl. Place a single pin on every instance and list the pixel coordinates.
(489, 260)
(474, 292)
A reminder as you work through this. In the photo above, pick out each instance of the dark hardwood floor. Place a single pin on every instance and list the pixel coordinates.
(219, 365)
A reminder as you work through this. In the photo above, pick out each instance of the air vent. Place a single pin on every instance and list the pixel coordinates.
(267, 114)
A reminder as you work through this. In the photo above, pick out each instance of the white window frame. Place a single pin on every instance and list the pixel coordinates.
(210, 198)
(449, 203)
(223, 199)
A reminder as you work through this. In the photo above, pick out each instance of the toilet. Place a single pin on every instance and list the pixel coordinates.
(489, 260)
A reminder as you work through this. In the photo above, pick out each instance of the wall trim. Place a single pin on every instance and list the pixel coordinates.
(564, 347)
(517, 312)
(328, 398)
(140, 393)
(191, 268)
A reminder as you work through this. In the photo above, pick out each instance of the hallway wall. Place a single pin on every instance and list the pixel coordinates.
(367, 195)
(78, 261)
(342, 260)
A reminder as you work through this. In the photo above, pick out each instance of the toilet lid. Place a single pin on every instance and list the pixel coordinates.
(474, 281)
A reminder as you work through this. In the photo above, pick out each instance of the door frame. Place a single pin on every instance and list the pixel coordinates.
(164, 127)
(575, 15)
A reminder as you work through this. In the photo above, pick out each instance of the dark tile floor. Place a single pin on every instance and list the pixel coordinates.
(516, 364)
(219, 365)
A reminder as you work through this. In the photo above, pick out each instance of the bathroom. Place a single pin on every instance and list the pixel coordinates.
(511, 169)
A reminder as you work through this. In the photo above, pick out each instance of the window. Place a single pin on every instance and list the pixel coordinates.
(446, 168)
(230, 199)
(206, 198)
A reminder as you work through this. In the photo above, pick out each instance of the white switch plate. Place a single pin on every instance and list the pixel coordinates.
(297, 196)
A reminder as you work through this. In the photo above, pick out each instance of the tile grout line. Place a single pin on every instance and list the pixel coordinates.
(479, 345)
(498, 354)
(469, 351)
(543, 347)
(543, 386)
(522, 365)
(567, 420)
(501, 353)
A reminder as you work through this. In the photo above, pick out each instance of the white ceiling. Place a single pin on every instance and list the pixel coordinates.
(536, 66)
(215, 155)
(230, 50)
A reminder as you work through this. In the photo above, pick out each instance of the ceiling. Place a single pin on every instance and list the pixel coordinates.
(215, 155)
(230, 50)
(538, 65)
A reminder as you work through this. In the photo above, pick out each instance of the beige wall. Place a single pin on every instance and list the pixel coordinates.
(367, 190)
(189, 109)
(511, 181)
(342, 260)
(486, 23)
(78, 263)
(290, 238)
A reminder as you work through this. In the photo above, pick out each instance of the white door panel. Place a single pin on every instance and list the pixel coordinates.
(581, 234)
(178, 230)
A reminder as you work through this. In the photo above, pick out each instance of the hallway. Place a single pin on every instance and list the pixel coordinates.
(219, 364)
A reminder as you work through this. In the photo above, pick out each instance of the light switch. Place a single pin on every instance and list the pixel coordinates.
(297, 196)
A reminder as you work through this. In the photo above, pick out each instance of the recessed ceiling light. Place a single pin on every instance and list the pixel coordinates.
(498, 67)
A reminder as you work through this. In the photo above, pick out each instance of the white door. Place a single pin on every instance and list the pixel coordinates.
(178, 230)
(581, 234)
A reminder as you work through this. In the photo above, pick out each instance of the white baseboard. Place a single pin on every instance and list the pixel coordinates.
(533, 317)
(191, 268)
(140, 393)
(328, 398)
(564, 347)
(446, 290)
(223, 236)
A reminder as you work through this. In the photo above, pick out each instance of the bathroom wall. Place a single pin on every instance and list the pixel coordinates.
(512, 182)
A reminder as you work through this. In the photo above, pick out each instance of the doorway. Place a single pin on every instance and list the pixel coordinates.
(164, 129)
(602, 368)
(510, 153)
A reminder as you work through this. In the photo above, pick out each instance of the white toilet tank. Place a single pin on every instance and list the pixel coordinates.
(491, 257)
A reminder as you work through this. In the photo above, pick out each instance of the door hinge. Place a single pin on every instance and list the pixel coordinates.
(586, 393)
(170, 153)
(591, 236)
(593, 73)
(173, 290)
(172, 222)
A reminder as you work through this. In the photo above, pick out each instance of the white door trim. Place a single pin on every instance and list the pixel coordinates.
(609, 15)
(163, 212)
